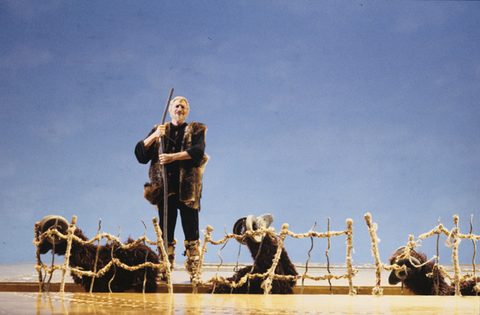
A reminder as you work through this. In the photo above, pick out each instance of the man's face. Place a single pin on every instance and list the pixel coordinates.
(178, 110)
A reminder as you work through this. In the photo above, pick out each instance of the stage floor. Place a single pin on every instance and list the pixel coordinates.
(134, 303)
(23, 298)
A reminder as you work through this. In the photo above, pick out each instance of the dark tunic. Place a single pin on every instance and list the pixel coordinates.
(184, 176)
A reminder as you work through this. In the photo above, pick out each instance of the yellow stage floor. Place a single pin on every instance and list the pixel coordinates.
(19, 283)
(159, 303)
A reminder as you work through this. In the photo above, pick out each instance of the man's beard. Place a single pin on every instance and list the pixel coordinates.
(179, 117)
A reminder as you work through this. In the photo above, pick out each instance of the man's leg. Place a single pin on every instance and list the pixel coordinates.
(192, 242)
(189, 218)
(172, 217)
(171, 223)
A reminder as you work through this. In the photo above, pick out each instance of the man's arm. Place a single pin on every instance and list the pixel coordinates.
(194, 153)
(159, 132)
(170, 157)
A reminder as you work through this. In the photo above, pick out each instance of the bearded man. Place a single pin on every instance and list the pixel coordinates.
(184, 159)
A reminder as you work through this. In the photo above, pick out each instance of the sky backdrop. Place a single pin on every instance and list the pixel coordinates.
(315, 110)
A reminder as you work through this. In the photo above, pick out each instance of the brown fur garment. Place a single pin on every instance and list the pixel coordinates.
(83, 257)
(262, 263)
(154, 194)
(419, 283)
(191, 176)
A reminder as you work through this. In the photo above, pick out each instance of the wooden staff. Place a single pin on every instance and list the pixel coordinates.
(165, 182)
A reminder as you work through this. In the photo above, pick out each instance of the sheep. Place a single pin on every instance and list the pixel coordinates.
(262, 249)
(422, 278)
(83, 256)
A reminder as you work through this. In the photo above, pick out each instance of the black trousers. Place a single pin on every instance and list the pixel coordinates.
(188, 216)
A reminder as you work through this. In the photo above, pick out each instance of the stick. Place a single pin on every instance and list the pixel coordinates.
(165, 182)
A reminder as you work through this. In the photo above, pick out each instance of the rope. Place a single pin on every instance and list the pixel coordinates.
(351, 272)
(270, 275)
(372, 230)
(477, 287)
(308, 259)
(96, 256)
(328, 258)
(164, 266)
(454, 238)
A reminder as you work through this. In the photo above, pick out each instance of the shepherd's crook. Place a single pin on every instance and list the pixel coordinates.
(165, 183)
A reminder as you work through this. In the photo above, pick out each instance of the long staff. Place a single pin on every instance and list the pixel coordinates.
(165, 182)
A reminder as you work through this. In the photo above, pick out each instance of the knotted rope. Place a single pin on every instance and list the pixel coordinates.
(164, 266)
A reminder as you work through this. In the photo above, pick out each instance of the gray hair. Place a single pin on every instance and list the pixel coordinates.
(179, 98)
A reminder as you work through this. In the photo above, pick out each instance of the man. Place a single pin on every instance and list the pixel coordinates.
(185, 159)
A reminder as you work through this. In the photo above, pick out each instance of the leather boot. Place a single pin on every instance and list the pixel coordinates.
(192, 250)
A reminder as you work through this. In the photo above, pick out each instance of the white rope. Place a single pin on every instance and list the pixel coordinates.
(453, 240)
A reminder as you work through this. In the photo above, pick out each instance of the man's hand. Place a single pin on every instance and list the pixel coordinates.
(170, 157)
(158, 133)
(166, 158)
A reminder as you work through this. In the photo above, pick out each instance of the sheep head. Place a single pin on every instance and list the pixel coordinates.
(412, 264)
(252, 223)
(53, 222)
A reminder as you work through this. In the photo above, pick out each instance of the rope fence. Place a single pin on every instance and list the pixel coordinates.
(454, 238)
(163, 266)
(270, 275)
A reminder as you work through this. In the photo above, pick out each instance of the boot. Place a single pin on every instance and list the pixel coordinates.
(171, 253)
(192, 250)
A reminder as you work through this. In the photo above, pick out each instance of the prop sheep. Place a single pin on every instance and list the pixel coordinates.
(83, 256)
(262, 249)
(421, 278)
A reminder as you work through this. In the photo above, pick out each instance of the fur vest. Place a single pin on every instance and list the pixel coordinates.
(190, 188)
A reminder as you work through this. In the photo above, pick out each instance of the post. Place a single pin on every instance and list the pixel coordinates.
(377, 290)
